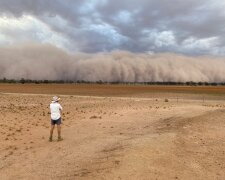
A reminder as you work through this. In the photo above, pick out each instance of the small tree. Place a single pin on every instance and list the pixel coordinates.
(22, 80)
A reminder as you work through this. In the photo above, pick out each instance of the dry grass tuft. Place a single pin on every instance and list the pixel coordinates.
(95, 117)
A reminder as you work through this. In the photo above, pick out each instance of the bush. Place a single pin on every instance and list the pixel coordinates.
(166, 100)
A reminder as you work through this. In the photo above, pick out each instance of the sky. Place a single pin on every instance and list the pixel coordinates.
(113, 40)
(188, 27)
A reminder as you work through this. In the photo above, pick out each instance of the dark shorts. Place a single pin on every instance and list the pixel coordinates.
(58, 121)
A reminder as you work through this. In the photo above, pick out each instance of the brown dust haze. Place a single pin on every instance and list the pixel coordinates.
(41, 62)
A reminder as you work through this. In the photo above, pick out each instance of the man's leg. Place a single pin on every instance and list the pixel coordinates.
(59, 132)
(51, 132)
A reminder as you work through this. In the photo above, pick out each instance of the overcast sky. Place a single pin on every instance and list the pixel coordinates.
(190, 27)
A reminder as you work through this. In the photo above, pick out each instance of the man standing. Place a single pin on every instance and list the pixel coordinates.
(55, 109)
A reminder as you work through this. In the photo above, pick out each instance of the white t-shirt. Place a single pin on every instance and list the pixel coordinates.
(55, 110)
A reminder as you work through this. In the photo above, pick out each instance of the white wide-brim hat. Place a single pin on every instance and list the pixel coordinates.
(55, 99)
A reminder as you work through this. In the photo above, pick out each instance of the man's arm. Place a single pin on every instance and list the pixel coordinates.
(60, 108)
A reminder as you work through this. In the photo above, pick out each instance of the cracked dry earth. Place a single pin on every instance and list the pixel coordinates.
(112, 138)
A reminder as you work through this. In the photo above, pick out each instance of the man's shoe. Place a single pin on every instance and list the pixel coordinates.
(50, 139)
(60, 138)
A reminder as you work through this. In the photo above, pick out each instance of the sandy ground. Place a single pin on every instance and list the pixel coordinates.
(112, 138)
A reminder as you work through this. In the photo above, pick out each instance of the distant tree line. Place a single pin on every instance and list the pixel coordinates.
(189, 83)
(23, 81)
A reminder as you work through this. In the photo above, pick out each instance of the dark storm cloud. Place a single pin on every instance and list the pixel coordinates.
(189, 27)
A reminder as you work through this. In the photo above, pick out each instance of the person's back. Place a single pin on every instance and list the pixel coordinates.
(55, 108)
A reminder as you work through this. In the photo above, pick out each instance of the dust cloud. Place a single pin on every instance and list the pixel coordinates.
(44, 61)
